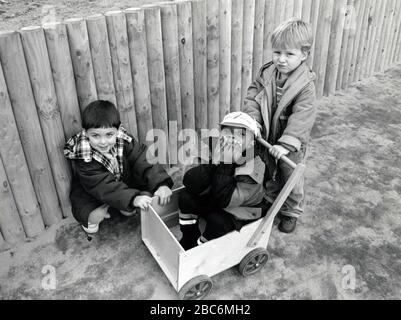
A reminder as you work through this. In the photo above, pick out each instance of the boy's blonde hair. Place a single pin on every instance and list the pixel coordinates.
(293, 33)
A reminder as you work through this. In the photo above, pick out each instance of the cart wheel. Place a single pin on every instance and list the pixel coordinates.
(196, 289)
(253, 261)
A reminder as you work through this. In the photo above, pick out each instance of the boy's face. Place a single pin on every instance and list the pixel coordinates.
(287, 60)
(238, 136)
(102, 139)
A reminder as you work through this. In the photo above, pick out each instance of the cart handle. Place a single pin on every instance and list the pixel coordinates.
(284, 158)
(282, 196)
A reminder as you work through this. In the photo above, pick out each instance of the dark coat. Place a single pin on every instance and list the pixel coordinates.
(93, 185)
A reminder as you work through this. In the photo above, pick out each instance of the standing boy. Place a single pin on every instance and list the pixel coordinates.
(282, 100)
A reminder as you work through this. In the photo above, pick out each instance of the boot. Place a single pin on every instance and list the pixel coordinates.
(190, 235)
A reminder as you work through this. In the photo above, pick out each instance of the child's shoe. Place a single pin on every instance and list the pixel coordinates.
(188, 242)
(92, 228)
(287, 224)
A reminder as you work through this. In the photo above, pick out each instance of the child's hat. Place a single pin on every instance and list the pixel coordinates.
(240, 119)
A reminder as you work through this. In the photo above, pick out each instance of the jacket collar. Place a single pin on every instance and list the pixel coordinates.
(294, 84)
(78, 147)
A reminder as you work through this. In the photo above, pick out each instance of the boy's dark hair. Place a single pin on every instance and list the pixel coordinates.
(100, 114)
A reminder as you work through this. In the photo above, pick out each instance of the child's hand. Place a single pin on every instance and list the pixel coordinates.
(164, 193)
(142, 202)
(278, 151)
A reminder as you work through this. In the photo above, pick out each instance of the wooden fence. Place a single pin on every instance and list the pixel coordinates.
(174, 65)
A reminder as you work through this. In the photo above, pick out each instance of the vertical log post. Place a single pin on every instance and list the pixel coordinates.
(169, 25)
(157, 80)
(139, 68)
(297, 9)
(306, 10)
(225, 57)
(186, 55)
(382, 33)
(15, 164)
(213, 73)
(362, 41)
(322, 45)
(37, 58)
(397, 26)
(353, 6)
(269, 26)
(101, 58)
(336, 35)
(257, 60)
(63, 77)
(24, 108)
(314, 16)
(200, 63)
(279, 14)
(122, 73)
(386, 36)
(247, 46)
(288, 9)
(370, 38)
(237, 8)
(10, 223)
(81, 61)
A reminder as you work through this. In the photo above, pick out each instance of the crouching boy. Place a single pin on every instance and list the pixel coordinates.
(110, 169)
(227, 193)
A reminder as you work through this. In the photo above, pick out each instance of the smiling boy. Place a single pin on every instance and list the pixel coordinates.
(110, 169)
(282, 100)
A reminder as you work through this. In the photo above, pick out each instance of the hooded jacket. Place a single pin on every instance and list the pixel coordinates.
(292, 121)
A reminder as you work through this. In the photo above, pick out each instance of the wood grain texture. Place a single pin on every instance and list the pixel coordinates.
(29, 129)
(40, 74)
(63, 77)
(81, 61)
(101, 58)
(11, 227)
(122, 73)
(139, 68)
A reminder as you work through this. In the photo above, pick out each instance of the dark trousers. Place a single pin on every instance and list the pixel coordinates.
(218, 221)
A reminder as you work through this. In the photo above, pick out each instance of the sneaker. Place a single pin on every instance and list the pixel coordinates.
(92, 228)
(129, 213)
(287, 224)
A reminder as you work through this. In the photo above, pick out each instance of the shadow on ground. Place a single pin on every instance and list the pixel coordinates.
(351, 224)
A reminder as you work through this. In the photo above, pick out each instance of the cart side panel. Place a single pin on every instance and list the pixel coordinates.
(161, 243)
(169, 212)
(219, 254)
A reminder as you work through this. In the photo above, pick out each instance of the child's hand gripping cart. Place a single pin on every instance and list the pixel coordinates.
(190, 271)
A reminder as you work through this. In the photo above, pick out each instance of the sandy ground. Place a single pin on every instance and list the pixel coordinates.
(351, 224)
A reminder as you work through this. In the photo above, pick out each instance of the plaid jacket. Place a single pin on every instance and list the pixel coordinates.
(78, 147)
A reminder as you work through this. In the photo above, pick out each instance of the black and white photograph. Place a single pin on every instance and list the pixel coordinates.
(232, 151)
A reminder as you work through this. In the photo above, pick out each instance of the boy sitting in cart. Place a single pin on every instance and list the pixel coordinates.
(110, 169)
(228, 192)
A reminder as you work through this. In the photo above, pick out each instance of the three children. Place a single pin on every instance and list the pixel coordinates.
(111, 169)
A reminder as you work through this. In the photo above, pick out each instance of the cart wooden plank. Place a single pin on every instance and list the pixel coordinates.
(161, 243)
(219, 254)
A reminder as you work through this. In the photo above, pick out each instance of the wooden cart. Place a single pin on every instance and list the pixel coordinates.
(190, 271)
